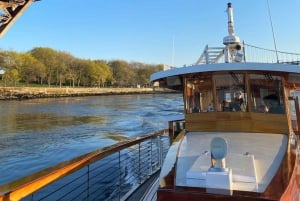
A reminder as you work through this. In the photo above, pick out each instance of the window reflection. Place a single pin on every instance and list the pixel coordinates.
(231, 92)
(266, 93)
(199, 95)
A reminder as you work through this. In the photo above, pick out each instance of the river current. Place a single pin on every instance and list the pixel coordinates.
(38, 133)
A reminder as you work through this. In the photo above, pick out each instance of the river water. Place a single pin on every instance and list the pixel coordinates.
(35, 134)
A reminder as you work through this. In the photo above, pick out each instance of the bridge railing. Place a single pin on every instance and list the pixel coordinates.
(110, 173)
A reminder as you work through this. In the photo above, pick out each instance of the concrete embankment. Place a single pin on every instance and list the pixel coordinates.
(21, 93)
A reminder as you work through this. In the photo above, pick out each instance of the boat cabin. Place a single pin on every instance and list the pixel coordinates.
(231, 97)
(248, 105)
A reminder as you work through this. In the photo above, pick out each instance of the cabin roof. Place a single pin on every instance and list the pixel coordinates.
(226, 67)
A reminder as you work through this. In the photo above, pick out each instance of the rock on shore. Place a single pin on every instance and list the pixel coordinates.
(20, 93)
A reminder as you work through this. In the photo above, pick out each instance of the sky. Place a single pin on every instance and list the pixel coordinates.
(171, 32)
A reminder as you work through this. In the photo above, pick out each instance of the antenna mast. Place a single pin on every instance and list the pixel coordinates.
(232, 42)
(271, 23)
(173, 51)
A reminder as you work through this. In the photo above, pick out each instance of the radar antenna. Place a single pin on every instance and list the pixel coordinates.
(232, 42)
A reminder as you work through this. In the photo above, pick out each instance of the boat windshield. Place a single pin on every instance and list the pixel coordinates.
(199, 95)
(266, 93)
(227, 92)
(231, 92)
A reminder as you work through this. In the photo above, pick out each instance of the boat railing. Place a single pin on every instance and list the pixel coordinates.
(251, 53)
(110, 173)
(263, 55)
(211, 55)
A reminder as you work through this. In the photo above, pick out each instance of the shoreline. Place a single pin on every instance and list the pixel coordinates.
(25, 93)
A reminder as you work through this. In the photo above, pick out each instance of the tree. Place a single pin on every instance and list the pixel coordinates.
(106, 75)
(64, 62)
(94, 73)
(48, 57)
(11, 76)
(122, 73)
(143, 72)
(31, 69)
(71, 72)
(58, 67)
(10, 60)
(79, 68)
(2, 58)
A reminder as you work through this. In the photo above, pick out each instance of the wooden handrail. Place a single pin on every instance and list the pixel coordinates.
(23, 187)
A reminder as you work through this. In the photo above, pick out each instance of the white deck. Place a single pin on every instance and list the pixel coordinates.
(252, 157)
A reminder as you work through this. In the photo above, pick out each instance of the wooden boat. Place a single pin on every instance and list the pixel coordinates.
(240, 138)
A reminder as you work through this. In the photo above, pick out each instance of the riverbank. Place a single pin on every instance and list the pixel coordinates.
(22, 93)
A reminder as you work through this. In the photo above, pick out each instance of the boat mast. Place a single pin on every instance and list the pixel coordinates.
(271, 23)
(232, 42)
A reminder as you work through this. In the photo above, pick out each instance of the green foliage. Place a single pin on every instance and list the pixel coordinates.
(11, 77)
(31, 69)
(43, 65)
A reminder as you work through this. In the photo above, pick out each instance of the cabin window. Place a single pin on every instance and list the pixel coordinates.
(199, 95)
(231, 92)
(266, 93)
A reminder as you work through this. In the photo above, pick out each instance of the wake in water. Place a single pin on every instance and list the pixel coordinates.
(36, 134)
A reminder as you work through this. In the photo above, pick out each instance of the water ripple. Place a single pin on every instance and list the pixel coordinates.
(35, 134)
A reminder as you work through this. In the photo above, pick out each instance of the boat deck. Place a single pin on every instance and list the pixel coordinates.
(140, 193)
(253, 158)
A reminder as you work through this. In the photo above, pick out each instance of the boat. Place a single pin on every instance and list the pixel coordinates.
(238, 140)
(241, 134)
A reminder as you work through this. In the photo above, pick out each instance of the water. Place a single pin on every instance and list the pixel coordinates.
(36, 134)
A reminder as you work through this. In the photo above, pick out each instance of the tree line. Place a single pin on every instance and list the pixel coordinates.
(46, 66)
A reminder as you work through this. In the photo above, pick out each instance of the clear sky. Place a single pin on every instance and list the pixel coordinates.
(147, 30)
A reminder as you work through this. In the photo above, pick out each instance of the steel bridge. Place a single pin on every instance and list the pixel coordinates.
(10, 11)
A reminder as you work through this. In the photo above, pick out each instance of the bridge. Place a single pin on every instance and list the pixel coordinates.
(10, 11)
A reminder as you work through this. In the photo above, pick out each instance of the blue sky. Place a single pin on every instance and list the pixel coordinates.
(144, 30)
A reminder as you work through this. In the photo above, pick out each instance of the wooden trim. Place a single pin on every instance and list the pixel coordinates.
(297, 113)
(214, 91)
(184, 96)
(237, 122)
(297, 109)
(286, 104)
(248, 91)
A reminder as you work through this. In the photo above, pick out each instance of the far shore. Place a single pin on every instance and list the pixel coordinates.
(23, 93)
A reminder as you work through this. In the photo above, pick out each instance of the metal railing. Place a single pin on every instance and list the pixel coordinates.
(263, 55)
(110, 173)
(250, 53)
